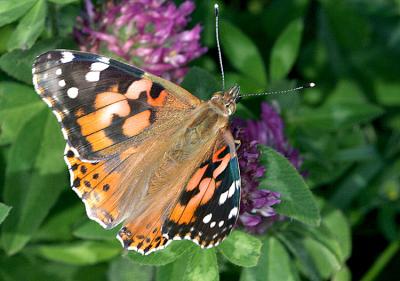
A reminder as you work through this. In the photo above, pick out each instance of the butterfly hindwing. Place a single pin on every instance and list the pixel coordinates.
(209, 205)
(102, 103)
(205, 212)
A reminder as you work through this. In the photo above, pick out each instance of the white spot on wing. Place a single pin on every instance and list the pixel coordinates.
(207, 218)
(92, 76)
(103, 59)
(213, 224)
(67, 57)
(61, 83)
(58, 71)
(58, 116)
(98, 66)
(223, 198)
(233, 212)
(65, 134)
(47, 102)
(221, 223)
(231, 190)
(72, 92)
(238, 183)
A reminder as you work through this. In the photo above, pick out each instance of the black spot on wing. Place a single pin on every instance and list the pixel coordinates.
(156, 90)
(187, 195)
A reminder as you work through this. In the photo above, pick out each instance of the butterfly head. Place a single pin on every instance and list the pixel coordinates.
(227, 99)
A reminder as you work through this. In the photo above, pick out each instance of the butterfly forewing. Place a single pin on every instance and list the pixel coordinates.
(102, 103)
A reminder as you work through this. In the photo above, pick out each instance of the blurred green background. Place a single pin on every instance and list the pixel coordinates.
(347, 130)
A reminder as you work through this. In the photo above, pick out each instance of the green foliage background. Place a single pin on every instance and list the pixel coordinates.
(347, 129)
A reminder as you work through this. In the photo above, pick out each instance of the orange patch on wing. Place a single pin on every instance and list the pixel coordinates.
(137, 87)
(136, 124)
(159, 101)
(222, 166)
(177, 212)
(194, 181)
(207, 189)
(103, 199)
(217, 153)
(102, 118)
(99, 141)
(107, 98)
(97, 188)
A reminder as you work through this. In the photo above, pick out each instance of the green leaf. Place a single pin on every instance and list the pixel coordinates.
(202, 265)
(35, 177)
(63, 2)
(200, 83)
(285, 50)
(173, 271)
(92, 230)
(335, 221)
(18, 104)
(60, 225)
(4, 210)
(333, 233)
(241, 249)
(24, 267)
(165, 256)
(343, 274)
(274, 264)
(387, 93)
(13, 10)
(335, 116)
(29, 28)
(5, 34)
(350, 29)
(317, 251)
(79, 253)
(243, 54)
(355, 182)
(324, 260)
(297, 200)
(303, 261)
(123, 269)
(18, 63)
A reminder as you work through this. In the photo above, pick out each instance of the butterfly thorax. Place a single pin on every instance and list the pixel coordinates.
(225, 101)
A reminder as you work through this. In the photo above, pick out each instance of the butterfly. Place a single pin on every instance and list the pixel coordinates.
(142, 151)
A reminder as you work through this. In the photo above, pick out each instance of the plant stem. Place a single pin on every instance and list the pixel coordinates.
(383, 259)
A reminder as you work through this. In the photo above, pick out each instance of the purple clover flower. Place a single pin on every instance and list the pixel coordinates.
(256, 209)
(147, 33)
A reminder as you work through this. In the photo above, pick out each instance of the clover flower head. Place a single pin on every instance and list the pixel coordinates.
(256, 210)
(150, 34)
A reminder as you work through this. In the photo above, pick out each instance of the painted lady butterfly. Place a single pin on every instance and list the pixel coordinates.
(143, 151)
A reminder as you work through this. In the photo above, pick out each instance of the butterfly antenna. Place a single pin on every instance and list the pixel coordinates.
(221, 66)
(305, 86)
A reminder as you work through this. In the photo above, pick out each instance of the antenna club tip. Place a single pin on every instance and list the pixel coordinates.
(311, 85)
(216, 9)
